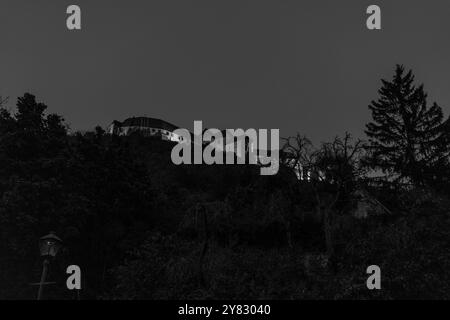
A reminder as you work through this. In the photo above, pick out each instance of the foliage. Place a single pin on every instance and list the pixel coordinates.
(407, 137)
(142, 228)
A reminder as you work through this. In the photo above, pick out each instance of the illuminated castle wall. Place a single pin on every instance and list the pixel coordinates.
(146, 126)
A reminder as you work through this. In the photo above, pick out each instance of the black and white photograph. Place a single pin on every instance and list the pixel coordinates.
(203, 151)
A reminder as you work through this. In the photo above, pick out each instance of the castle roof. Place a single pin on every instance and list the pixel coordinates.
(149, 123)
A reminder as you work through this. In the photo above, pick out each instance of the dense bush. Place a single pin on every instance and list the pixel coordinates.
(135, 224)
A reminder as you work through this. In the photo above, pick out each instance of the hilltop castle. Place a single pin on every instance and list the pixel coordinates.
(146, 126)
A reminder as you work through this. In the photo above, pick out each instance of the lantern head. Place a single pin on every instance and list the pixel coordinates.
(49, 245)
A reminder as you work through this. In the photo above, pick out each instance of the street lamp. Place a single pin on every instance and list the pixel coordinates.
(49, 246)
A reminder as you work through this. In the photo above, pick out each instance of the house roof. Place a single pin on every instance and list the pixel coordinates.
(148, 122)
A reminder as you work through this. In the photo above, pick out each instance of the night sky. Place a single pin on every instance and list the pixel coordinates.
(307, 66)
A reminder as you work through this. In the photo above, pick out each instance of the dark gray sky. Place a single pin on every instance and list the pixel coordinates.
(308, 66)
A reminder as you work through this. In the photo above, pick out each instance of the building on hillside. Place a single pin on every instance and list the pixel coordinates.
(367, 206)
(160, 128)
(146, 126)
(156, 127)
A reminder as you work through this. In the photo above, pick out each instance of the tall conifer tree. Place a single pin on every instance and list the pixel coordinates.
(407, 138)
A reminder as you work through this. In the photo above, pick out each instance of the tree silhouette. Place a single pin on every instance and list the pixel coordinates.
(407, 137)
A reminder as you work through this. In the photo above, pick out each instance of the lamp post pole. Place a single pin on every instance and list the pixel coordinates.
(49, 246)
(43, 277)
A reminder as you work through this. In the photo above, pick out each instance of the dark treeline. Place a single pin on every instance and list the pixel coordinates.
(142, 228)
